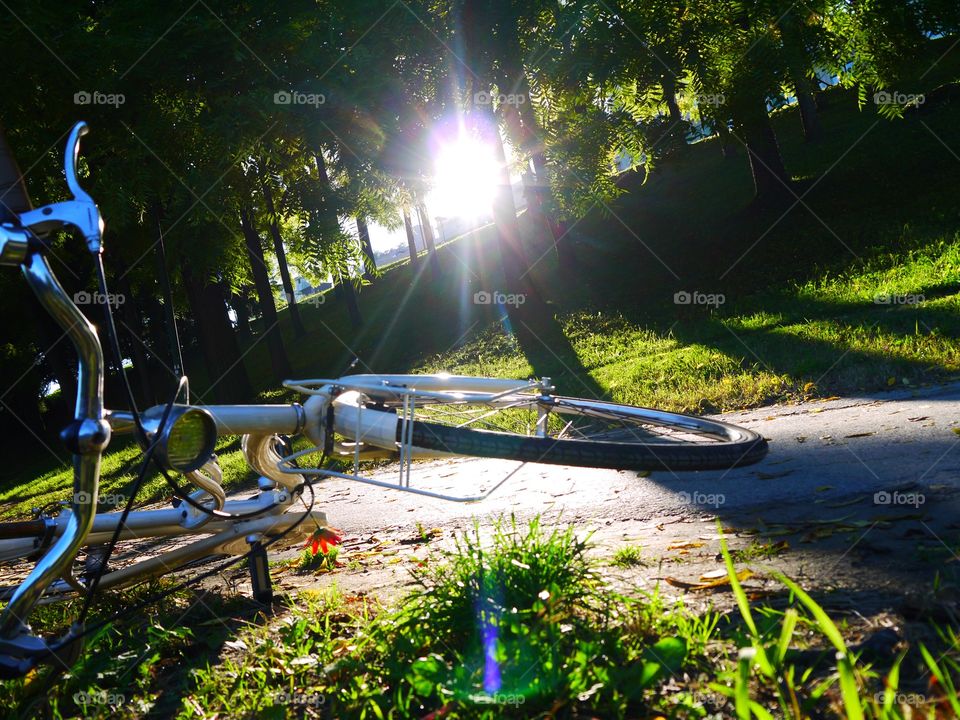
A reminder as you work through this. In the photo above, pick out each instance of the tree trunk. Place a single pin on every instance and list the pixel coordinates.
(348, 292)
(241, 307)
(133, 320)
(281, 254)
(770, 178)
(809, 120)
(669, 84)
(727, 149)
(268, 310)
(512, 258)
(533, 145)
(217, 341)
(426, 230)
(60, 358)
(541, 229)
(170, 321)
(798, 62)
(411, 239)
(369, 264)
(343, 288)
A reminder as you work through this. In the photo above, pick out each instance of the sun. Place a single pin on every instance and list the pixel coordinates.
(465, 180)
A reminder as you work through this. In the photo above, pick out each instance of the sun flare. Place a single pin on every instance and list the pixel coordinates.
(466, 176)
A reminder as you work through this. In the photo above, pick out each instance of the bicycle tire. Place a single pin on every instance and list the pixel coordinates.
(739, 446)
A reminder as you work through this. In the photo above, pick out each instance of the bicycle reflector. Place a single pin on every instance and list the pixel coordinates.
(187, 440)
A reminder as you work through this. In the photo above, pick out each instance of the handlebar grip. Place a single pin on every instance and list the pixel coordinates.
(13, 192)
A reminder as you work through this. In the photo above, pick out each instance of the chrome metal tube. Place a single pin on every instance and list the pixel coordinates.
(121, 421)
(257, 419)
(232, 419)
(92, 435)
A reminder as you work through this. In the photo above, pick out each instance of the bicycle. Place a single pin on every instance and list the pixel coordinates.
(358, 417)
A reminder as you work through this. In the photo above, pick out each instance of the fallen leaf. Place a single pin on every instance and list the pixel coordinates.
(719, 582)
(685, 545)
(863, 434)
(713, 575)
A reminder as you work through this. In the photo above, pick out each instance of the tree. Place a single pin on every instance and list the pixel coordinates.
(273, 223)
(411, 240)
(268, 309)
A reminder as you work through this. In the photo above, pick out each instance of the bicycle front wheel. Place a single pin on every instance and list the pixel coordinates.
(586, 433)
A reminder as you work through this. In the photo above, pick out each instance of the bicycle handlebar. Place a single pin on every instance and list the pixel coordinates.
(89, 433)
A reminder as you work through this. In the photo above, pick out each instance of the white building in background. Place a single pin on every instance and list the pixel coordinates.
(302, 288)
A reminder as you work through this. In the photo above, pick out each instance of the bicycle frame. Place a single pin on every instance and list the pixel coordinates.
(375, 414)
(368, 432)
(88, 435)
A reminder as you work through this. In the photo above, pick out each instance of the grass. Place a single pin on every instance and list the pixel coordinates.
(118, 471)
(628, 556)
(518, 622)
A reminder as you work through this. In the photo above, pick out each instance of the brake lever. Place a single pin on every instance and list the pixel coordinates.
(81, 212)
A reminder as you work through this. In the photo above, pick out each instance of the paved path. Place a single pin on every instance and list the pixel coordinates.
(863, 491)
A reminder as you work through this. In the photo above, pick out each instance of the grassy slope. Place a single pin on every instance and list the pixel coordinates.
(878, 216)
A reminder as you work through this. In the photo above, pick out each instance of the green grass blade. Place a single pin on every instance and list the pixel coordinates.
(786, 635)
(744, 605)
(943, 679)
(848, 680)
(760, 711)
(826, 625)
(849, 690)
(892, 684)
(741, 696)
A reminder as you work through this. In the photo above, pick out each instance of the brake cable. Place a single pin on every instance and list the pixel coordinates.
(72, 637)
(149, 456)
